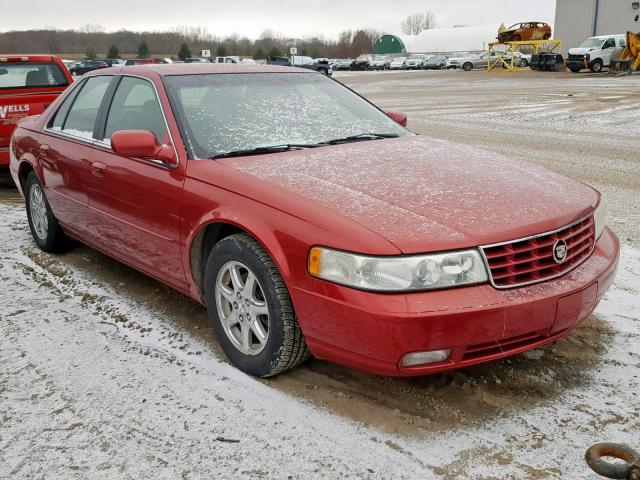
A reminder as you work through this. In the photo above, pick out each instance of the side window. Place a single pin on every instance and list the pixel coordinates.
(61, 115)
(135, 107)
(610, 43)
(622, 42)
(81, 118)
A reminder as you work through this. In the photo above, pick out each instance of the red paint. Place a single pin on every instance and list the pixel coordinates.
(385, 197)
(19, 103)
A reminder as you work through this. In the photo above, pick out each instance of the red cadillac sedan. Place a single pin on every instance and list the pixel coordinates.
(309, 222)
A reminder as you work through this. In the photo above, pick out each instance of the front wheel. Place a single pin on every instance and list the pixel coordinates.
(467, 67)
(596, 66)
(250, 308)
(575, 69)
(45, 229)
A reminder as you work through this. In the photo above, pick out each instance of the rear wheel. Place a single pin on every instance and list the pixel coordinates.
(575, 69)
(45, 229)
(250, 308)
(467, 66)
(596, 66)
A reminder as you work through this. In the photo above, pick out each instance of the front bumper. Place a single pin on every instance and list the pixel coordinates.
(372, 332)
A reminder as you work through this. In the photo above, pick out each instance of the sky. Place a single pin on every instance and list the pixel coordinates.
(325, 18)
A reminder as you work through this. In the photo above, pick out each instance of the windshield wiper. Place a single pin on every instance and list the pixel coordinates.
(361, 137)
(266, 150)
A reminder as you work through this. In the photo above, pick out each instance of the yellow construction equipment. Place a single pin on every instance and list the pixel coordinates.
(629, 59)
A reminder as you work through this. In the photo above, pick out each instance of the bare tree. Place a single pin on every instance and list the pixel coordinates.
(418, 22)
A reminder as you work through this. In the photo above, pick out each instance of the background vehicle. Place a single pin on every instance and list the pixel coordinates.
(112, 62)
(302, 62)
(343, 64)
(455, 59)
(196, 60)
(87, 66)
(361, 63)
(141, 61)
(482, 60)
(415, 61)
(436, 62)
(594, 53)
(525, 31)
(28, 85)
(227, 60)
(398, 63)
(378, 63)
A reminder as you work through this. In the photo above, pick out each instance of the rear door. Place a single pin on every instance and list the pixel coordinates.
(65, 152)
(26, 88)
(138, 201)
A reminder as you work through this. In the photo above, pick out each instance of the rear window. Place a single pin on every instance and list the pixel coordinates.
(31, 75)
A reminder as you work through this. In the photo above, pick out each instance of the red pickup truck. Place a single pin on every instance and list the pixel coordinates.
(28, 84)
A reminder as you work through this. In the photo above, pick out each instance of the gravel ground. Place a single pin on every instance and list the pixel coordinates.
(105, 373)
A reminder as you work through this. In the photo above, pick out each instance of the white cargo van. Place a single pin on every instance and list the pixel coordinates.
(594, 53)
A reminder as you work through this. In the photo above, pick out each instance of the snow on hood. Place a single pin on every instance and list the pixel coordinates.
(424, 194)
(581, 50)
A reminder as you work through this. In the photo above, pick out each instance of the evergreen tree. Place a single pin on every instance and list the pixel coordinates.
(221, 51)
(113, 52)
(90, 53)
(143, 50)
(184, 52)
(275, 52)
(259, 55)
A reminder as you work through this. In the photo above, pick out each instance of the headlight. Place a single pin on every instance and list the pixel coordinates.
(399, 273)
(600, 218)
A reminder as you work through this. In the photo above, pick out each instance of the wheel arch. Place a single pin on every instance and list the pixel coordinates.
(212, 231)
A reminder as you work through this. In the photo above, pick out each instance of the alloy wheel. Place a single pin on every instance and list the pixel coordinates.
(242, 308)
(38, 210)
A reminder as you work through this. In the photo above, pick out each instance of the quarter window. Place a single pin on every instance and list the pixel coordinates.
(135, 107)
(81, 119)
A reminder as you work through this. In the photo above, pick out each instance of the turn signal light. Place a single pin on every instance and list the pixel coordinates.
(314, 261)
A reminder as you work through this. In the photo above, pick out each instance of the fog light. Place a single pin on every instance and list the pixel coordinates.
(423, 358)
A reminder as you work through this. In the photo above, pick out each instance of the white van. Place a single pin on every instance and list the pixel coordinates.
(594, 53)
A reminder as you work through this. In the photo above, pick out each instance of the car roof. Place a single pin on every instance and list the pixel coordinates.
(602, 37)
(170, 69)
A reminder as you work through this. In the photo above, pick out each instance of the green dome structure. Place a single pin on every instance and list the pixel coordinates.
(387, 44)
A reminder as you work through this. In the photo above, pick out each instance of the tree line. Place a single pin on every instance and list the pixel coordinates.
(94, 42)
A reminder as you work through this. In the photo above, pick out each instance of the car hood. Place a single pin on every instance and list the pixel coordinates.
(580, 50)
(423, 194)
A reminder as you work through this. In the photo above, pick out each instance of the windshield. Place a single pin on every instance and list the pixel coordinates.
(591, 43)
(222, 113)
(31, 75)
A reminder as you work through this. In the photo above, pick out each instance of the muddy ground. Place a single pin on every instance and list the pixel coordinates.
(106, 373)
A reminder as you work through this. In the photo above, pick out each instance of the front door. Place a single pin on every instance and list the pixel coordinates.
(138, 201)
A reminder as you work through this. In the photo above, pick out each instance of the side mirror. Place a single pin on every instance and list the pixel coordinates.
(398, 117)
(142, 144)
(3, 71)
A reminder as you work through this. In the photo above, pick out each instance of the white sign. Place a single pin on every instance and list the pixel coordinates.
(293, 51)
(206, 53)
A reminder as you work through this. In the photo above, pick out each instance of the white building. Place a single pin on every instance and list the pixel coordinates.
(577, 20)
(455, 39)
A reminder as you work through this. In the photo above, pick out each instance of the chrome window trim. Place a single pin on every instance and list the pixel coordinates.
(530, 237)
(101, 144)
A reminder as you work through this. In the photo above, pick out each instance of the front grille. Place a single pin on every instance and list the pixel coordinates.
(576, 58)
(531, 260)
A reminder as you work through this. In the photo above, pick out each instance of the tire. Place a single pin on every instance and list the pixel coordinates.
(524, 63)
(467, 67)
(283, 345)
(575, 69)
(596, 66)
(324, 71)
(44, 226)
(546, 36)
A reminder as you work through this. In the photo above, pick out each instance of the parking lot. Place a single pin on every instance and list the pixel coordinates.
(99, 364)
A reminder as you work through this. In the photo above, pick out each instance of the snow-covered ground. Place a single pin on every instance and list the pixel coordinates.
(107, 374)
(96, 384)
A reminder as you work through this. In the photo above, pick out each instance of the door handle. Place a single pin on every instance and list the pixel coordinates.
(98, 169)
